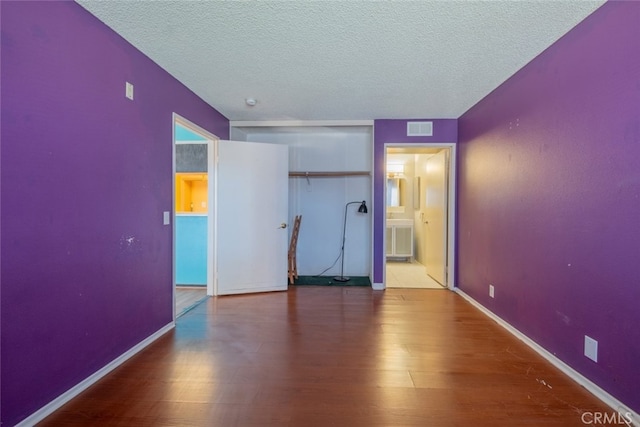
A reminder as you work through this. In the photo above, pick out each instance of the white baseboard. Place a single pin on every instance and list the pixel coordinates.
(591, 387)
(378, 286)
(65, 397)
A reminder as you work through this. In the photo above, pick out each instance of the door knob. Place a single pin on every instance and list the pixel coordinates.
(283, 225)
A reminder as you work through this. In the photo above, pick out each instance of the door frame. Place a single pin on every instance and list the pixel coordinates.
(451, 206)
(211, 141)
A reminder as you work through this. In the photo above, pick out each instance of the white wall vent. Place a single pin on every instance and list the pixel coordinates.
(419, 128)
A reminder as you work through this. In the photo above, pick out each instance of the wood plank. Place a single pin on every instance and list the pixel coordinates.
(333, 356)
(327, 174)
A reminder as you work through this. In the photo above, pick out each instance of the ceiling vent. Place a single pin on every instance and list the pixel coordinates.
(419, 128)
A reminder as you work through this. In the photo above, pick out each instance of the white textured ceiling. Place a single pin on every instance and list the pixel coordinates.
(341, 60)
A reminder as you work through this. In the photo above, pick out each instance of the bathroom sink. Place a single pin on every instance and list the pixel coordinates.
(399, 221)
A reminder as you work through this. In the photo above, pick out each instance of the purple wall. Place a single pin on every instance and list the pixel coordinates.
(549, 199)
(395, 131)
(86, 174)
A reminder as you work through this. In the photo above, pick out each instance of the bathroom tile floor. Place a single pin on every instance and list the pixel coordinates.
(401, 274)
(187, 297)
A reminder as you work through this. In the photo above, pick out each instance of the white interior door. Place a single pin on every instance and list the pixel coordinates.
(435, 221)
(251, 216)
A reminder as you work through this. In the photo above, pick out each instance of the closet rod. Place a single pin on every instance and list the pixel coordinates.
(328, 174)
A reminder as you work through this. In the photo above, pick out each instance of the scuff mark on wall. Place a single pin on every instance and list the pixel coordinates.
(129, 243)
(565, 319)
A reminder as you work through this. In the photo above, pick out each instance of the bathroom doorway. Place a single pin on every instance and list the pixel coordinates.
(419, 206)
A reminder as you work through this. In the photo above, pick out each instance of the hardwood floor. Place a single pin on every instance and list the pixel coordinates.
(333, 356)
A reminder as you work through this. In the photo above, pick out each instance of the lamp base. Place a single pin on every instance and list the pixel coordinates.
(341, 279)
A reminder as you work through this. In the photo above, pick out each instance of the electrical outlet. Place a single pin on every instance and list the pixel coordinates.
(491, 291)
(591, 348)
(166, 218)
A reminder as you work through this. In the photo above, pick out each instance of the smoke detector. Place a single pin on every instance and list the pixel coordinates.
(251, 102)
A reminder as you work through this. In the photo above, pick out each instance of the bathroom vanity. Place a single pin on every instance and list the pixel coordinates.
(399, 238)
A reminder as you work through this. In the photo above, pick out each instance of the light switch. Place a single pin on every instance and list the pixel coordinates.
(129, 90)
(166, 218)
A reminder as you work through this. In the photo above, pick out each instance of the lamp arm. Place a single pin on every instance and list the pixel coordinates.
(344, 226)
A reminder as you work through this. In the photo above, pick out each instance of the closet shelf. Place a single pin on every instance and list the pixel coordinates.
(328, 174)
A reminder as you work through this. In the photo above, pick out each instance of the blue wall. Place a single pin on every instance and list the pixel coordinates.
(184, 134)
(191, 249)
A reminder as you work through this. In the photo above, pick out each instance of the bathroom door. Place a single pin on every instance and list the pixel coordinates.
(435, 226)
(251, 233)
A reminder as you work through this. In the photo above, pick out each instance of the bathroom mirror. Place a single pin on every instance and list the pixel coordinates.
(394, 191)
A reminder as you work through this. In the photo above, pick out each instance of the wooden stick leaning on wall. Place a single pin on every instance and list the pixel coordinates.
(293, 267)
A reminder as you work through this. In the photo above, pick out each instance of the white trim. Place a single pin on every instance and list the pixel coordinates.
(299, 123)
(593, 388)
(451, 208)
(372, 229)
(378, 286)
(451, 232)
(65, 397)
(174, 121)
(212, 219)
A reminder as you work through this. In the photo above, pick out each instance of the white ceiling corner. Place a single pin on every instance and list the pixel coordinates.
(346, 60)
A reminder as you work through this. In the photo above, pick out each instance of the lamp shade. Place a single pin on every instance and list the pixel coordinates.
(363, 207)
